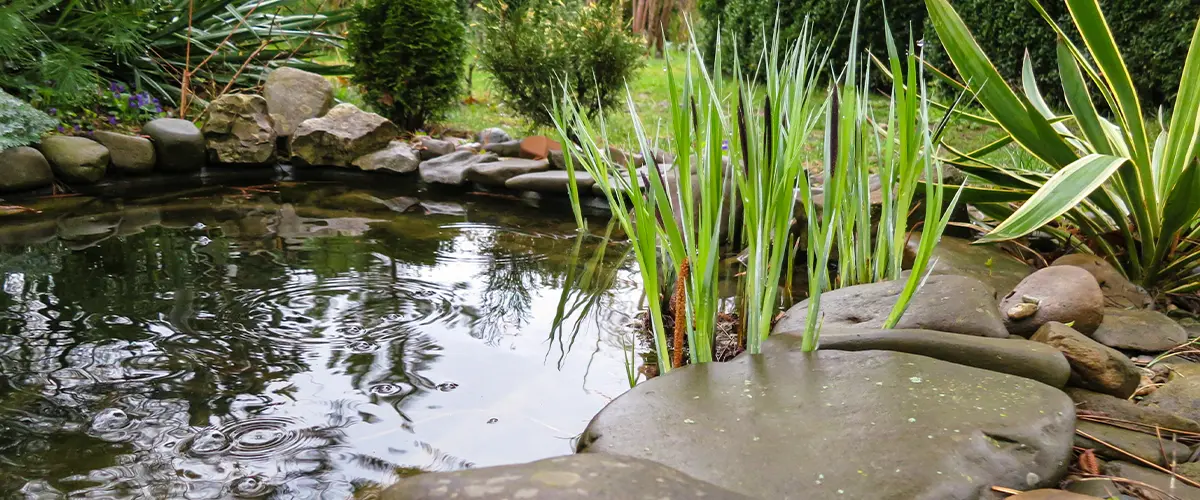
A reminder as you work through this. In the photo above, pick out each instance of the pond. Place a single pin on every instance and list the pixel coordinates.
(299, 340)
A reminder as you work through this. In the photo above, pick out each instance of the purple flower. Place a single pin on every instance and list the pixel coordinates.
(157, 108)
(724, 145)
(52, 111)
(114, 87)
(112, 120)
(61, 130)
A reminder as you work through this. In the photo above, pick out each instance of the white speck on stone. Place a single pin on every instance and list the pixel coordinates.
(915, 380)
(911, 420)
(688, 421)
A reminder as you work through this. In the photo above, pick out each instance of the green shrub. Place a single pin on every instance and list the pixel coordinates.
(409, 56)
(530, 46)
(743, 22)
(77, 46)
(20, 123)
(1153, 36)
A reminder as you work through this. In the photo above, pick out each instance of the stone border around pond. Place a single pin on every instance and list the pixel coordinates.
(294, 123)
(1070, 324)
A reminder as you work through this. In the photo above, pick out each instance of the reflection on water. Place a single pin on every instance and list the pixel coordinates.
(297, 341)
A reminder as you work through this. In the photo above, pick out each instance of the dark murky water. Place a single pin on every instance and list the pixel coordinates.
(297, 341)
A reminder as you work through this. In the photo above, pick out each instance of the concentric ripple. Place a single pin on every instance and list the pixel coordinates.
(365, 311)
(255, 438)
(503, 245)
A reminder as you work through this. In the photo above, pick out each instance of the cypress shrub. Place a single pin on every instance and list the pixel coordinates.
(1152, 35)
(409, 56)
(531, 46)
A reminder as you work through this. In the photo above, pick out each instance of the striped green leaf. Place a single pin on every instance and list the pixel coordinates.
(1012, 111)
(1066, 189)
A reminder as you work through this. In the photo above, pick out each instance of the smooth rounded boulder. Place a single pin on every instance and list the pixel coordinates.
(551, 181)
(344, 134)
(129, 154)
(492, 135)
(238, 130)
(1065, 294)
(24, 168)
(592, 476)
(178, 144)
(295, 95)
(833, 424)
(75, 159)
(1022, 358)
(948, 303)
(1118, 290)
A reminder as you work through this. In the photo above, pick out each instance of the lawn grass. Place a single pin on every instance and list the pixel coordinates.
(483, 108)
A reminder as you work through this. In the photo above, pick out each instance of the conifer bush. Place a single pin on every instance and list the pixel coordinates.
(529, 47)
(409, 57)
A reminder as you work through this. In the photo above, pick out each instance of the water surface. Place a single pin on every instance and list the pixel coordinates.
(298, 340)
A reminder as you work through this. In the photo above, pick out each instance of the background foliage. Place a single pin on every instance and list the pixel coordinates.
(1153, 36)
(66, 51)
(743, 22)
(528, 46)
(409, 56)
(20, 123)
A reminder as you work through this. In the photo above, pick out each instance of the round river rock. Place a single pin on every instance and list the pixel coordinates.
(844, 425)
(1066, 294)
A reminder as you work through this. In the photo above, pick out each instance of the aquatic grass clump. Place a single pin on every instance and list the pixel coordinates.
(733, 153)
(681, 207)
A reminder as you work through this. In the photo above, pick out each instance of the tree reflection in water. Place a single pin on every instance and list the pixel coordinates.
(306, 342)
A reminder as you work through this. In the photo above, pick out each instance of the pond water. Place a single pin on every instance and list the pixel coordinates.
(298, 340)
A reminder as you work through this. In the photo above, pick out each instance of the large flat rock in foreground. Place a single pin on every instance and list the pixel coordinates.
(844, 425)
(592, 476)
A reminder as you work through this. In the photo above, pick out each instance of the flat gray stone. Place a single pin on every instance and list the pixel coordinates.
(1180, 395)
(497, 173)
(129, 154)
(1066, 294)
(835, 424)
(1124, 409)
(1094, 366)
(1145, 446)
(430, 148)
(24, 168)
(986, 263)
(1022, 358)
(75, 159)
(1153, 478)
(948, 303)
(1140, 330)
(178, 144)
(398, 158)
(1118, 290)
(506, 148)
(295, 95)
(452, 168)
(551, 181)
(587, 476)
